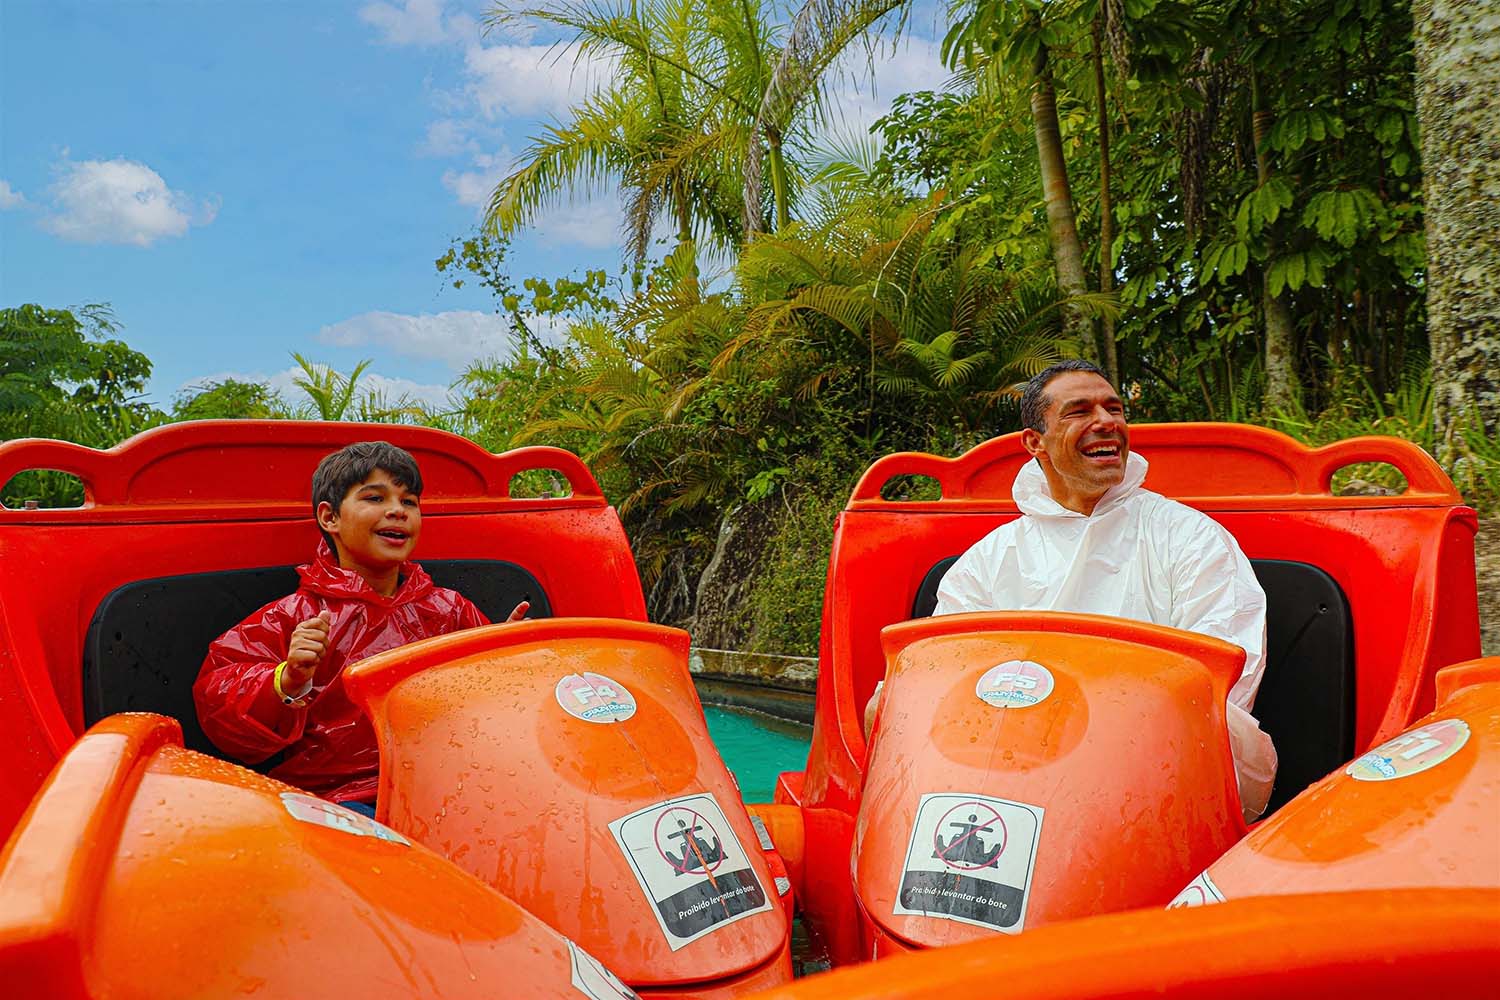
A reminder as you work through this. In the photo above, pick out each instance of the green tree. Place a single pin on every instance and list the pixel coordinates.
(64, 375)
(702, 91)
(1012, 40)
(228, 399)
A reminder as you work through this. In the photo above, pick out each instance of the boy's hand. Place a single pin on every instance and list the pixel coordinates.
(305, 651)
(519, 613)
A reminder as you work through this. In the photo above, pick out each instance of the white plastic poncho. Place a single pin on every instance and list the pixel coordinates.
(1139, 555)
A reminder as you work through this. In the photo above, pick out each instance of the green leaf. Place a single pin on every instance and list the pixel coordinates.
(1211, 260)
(1389, 128)
(1235, 259)
(1296, 270)
(1350, 36)
(1295, 133)
(1276, 277)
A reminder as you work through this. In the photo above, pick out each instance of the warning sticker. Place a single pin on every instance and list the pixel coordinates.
(1411, 753)
(320, 812)
(594, 698)
(690, 865)
(970, 859)
(1201, 891)
(593, 980)
(1014, 684)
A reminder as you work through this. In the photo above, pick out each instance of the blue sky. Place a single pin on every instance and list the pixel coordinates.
(244, 180)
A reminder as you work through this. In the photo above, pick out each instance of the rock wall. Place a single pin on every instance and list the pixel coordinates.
(720, 619)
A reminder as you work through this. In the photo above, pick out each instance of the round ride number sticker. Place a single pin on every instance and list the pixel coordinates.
(1411, 753)
(1014, 684)
(594, 698)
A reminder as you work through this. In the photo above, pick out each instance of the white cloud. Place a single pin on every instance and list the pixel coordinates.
(120, 201)
(914, 64)
(447, 137)
(507, 81)
(417, 22)
(9, 197)
(474, 187)
(593, 223)
(454, 338)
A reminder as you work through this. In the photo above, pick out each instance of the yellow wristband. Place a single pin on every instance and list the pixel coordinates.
(287, 699)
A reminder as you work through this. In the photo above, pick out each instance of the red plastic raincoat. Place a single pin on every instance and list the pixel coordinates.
(330, 745)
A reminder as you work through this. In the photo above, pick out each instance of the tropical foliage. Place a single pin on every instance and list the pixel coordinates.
(1220, 201)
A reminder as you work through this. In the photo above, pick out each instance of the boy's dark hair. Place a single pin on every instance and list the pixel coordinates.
(1034, 399)
(351, 465)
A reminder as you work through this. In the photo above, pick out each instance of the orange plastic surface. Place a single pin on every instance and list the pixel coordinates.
(1437, 827)
(217, 495)
(481, 762)
(1115, 787)
(1417, 943)
(144, 870)
(1405, 562)
(784, 825)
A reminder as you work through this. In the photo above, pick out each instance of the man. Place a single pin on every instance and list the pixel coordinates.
(1091, 540)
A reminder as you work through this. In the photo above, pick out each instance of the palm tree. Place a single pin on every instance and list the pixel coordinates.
(866, 295)
(700, 84)
(821, 32)
(1007, 37)
(650, 129)
(330, 393)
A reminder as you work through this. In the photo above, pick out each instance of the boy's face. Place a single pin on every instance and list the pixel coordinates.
(376, 525)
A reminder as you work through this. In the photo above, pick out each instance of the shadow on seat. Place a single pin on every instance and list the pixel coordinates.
(148, 638)
(1306, 697)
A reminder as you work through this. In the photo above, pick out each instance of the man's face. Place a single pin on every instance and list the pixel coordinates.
(1084, 447)
(376, 525)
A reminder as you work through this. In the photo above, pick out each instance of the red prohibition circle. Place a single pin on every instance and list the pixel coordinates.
(697, 818)
(940, 851)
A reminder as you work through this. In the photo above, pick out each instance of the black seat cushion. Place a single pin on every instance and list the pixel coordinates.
(148, 638)
(1306, 698)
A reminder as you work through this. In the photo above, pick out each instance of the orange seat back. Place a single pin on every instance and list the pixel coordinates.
(1422, 809)
(567, 763)
(144, 871)
(210, 496)
(1028, 768)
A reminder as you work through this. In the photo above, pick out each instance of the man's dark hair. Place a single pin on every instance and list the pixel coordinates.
(352, 465)
(1034, 399)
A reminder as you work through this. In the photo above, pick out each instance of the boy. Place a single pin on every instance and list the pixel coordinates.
(272, 683)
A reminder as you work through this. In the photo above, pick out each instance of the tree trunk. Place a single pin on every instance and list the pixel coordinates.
(778, 178)
(1107, 348)
(1457, 46)
(1282, 388)
(1062, 227)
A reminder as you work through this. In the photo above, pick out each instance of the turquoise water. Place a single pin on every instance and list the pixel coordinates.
(757, 747)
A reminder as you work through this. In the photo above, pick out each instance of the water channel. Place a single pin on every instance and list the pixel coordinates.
(757, 747)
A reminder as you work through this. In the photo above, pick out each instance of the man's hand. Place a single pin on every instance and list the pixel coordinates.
(305, 651)
(519, 613)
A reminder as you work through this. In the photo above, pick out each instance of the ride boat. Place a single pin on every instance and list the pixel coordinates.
(560, 768)
(1116, 788)
(550, 807)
